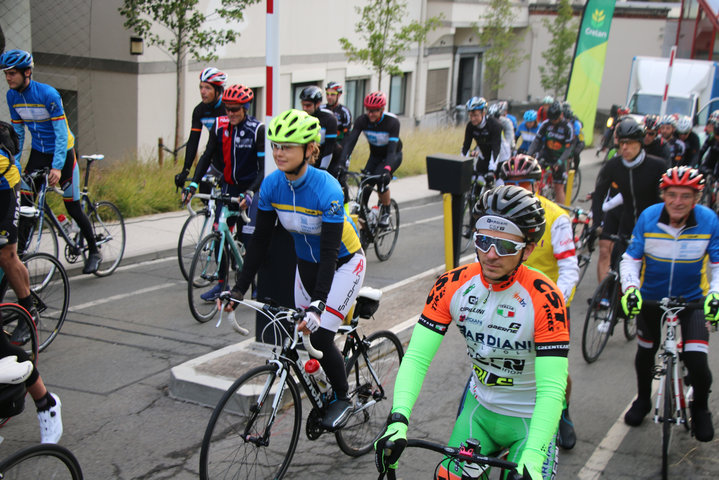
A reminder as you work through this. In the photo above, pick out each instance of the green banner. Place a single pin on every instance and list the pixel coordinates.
(588, 65)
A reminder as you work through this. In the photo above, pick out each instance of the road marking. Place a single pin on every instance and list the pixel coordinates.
(594, 468)
(425, 220)
(121, 296)
(426, 273)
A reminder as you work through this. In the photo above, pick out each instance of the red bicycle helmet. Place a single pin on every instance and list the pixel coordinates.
(238, 94)
(521, 167)
(375, 100)
(682, 177)
(334, 87)
(214, 77)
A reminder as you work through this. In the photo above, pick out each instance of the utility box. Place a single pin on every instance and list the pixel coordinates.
(449, 173)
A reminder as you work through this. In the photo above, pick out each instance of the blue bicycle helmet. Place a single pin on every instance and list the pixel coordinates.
(530, 116)
(476, 103)
(19, 59)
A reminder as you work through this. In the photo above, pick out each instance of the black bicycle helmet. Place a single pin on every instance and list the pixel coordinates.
(651, 122)
(517, 205)
(629, 129)
(312, 93)
(554, 110)
(520, 167)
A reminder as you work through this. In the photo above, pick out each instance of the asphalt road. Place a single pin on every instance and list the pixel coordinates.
(110, 365)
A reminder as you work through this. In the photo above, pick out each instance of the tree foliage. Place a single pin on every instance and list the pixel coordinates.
(558, 57)
(386, 39)
(179, 28)
(503, 54)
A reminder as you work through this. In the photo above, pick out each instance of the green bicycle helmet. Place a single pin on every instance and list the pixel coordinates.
(294, 126)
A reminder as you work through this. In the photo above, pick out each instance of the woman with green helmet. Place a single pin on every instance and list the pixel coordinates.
(330, 262)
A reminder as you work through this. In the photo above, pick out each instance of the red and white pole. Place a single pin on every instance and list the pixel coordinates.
(663, 109)
(272, 73)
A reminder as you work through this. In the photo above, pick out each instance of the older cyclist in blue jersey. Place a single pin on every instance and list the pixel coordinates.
(670, 242)
(39, 107)
(308, 202)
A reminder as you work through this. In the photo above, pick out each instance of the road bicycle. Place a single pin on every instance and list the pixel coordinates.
(545, 186)
(197, 225)
(255, 427)
(215, 255)
(11, 317)
(50, 292)
(604, 311)
(108, 225)
(367, 218)
(465, 461)
(41, 461)
(480, 184)
(585, 237)
(674, 395)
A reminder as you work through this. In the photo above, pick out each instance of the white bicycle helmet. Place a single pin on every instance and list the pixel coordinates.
(684, 124)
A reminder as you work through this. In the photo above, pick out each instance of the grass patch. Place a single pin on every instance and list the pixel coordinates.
(143, 187)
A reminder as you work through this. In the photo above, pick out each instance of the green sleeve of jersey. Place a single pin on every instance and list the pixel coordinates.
(551, 377)
(421, 350)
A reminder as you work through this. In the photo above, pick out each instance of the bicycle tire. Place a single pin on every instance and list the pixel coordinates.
(385, 238)
(668, 415)
(576, 185)
(47, 241)
(366, 424)
(50, 290)
(204, 274)
(598, 322)
(108, 225)
(195, 228)
(226, 454)
(41, 461)
(469, 199)
(630, 328)
(11, 315)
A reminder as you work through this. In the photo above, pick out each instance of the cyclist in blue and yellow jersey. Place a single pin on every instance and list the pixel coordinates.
(553, 146)
(333, 92)
(237, 149)
(330, 262)
(38, 107)
(385, 147)
(514, 323)
(311, 97)
(486, 131)
(664, 259)
(48, 404)
(526, 130)
(554, 256)
(212, 83)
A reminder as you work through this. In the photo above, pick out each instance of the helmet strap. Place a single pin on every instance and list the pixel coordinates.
(297, 170)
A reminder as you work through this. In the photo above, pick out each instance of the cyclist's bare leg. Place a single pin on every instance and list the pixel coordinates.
(559, 193)
(384, 197)
(605, 258)
(16, 272)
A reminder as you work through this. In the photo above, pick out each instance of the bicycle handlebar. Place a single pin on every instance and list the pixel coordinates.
(225, 197)
(667, 303)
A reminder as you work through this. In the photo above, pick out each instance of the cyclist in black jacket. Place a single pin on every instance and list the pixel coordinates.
(333, 91)
(636, 176)
(329, 160)
(653, 142)
(486, 131)
(385, 148)
(692, 145)
(212, 83)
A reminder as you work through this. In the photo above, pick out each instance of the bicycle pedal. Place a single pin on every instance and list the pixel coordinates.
(313, 427)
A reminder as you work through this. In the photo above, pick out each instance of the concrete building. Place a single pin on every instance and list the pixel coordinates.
(120, 104)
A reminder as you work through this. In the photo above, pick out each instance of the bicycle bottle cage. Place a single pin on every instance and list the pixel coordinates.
(368, 301)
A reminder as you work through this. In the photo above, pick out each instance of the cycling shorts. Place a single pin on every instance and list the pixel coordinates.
(69, 175)
(495, 433)
(610, 222)
(9, 216)
(559, 169)
(346, 285)
(695, 334)
(375, 166)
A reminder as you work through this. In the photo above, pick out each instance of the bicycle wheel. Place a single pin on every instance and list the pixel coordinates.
(41, 461)
(45, 242)
(598, 323)
(109, 228)
(576, 185)
(194, 230)
(370, 395)
(385, 238)
(50, 289)
(205, 272)
(668, 415)
(630, 328)
(246, 438)
(12, 316)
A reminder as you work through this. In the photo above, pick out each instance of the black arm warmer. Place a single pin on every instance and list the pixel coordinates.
(257, 248)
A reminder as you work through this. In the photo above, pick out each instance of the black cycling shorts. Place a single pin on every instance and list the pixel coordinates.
(375, 166)
(9, 216)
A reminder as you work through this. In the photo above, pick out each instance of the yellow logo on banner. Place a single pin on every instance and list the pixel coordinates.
(598, 18)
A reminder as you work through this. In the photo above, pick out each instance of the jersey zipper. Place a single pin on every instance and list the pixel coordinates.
(304, 235)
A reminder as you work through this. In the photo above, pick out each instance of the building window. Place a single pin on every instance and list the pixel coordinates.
(296, 90)
(257, 101)
(397, 93)
(436, 98)
(355, 91)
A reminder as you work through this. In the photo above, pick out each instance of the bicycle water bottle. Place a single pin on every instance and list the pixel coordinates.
(65, 223)
(373, 215)
(317, 375)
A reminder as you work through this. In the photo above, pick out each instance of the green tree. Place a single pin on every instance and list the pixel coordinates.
(558, 57)
(179, 28)
(386, 39)
(503, 54)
